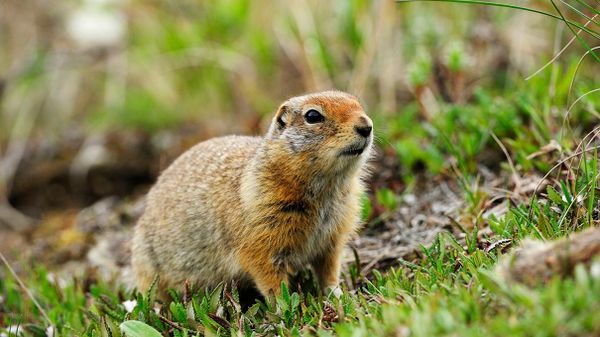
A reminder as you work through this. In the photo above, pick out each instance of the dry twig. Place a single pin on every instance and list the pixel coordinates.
(537, 262)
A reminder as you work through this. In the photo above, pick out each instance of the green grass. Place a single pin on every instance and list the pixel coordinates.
(451, 289)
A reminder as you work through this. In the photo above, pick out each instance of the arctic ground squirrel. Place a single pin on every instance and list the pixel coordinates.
(256, 210)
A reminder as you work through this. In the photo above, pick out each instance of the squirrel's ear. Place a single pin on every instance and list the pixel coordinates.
(282, 117)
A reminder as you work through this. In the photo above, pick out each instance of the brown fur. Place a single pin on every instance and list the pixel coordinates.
(256, 209)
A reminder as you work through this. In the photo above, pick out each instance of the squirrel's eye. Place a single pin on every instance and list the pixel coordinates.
(313, 116)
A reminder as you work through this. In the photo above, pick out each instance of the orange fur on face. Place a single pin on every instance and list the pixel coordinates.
(339, 109)
(257, 209)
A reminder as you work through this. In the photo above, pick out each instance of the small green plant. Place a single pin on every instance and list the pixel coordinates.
(387, 198)
(366, 208)
(420, 71)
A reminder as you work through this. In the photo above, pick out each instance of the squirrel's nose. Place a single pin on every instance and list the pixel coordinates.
(363, 130)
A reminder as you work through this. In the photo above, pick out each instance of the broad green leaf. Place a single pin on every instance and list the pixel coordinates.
(138, 329)
(553, 195)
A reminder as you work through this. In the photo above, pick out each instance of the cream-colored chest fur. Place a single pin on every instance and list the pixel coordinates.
(336, 216)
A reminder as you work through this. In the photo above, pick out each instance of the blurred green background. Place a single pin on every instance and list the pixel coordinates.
(76, 73)
(101, 64)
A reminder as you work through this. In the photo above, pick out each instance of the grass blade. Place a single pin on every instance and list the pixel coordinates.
(580, 13)
(533, 10)
(594, 10)
(581, 40)
(560, 53)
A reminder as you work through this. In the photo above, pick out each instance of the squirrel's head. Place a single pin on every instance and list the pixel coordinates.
(328, 129)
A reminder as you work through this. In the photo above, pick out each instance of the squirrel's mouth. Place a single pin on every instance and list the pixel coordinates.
(355, 150)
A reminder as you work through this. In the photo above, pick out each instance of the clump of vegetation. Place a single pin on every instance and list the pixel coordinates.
(450, 289)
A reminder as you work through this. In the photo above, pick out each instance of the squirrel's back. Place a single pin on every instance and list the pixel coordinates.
(190, 206)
